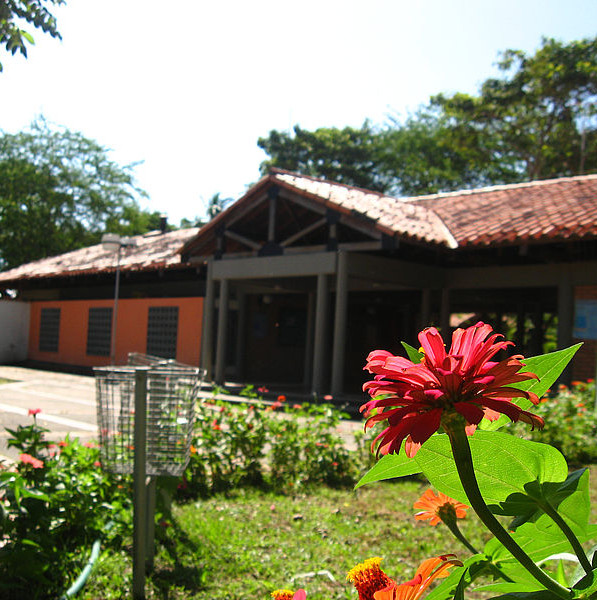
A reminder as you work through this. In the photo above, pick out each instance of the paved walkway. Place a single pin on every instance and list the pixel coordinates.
(68, 405)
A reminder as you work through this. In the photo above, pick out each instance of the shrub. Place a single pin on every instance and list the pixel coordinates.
(276, 446)
(53, 504)
(570, 424)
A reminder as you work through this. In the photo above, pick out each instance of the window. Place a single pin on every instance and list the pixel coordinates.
(49, 330)
(99, 331)
(162, 331)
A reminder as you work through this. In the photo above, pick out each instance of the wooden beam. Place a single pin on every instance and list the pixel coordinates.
(276, 266)
(303, 232)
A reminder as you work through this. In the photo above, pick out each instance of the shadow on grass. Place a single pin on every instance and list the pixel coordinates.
(179, 548)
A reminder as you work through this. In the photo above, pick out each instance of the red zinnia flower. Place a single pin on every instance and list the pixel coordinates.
(439, 508)
(33, 411)
(31, 460)
(414, 396)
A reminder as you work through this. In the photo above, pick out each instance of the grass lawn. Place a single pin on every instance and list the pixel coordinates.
(249, 543)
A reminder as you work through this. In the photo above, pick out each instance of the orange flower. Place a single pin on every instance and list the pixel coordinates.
(430, 569)
(368, 578)
(439, 508)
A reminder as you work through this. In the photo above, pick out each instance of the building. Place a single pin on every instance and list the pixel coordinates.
(300, 278)
(71, 300)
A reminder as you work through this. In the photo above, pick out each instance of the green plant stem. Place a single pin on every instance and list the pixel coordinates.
(551, 512)
(453, 527)
(464, 465)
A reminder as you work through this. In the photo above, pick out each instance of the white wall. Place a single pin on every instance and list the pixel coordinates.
(14, 330)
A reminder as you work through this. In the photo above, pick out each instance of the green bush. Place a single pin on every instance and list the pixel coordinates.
(278, 447)
(53, 504)
(570, 422)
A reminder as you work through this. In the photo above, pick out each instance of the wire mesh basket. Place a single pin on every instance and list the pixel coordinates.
(170, 408)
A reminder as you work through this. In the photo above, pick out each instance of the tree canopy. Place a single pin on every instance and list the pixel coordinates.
(536, 121)
(14, 13)
(59, 191)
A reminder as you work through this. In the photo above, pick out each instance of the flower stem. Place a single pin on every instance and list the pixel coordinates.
(453, 527)
(464, 464)
(551, 512)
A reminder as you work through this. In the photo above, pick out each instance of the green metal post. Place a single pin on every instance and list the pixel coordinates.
(139, 485)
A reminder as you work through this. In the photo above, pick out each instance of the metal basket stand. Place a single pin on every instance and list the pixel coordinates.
(146, 417)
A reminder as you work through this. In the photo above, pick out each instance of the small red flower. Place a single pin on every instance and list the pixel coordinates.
(215, 425)
(262, 390)
(413, 397)
(97, 463)
(27, 459)
(439, 508)
(33, 411)
(281, 398)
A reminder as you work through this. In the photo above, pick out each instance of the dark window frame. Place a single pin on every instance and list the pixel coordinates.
(99, 331)
(162, 331)
(49, 329)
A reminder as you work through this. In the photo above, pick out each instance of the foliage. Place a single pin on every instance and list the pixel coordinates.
(277, 447)
(500, 474)
(572, 427)
(348, 155)
(51, 513)
(32, 12)
(538, 121)
(59, 191)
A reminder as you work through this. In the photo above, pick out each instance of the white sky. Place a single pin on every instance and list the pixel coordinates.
(188, 86)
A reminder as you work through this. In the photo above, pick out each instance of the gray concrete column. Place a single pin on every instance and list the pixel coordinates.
(425, 309)
(308, 368)
(338, 353)
(319, 340)
(222, 332)
(240, 334)
(207, 332)
(565, 314)
(444, 317)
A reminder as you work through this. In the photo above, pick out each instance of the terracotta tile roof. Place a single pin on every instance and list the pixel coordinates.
(537, 211)
(391, 215)
(153, 250)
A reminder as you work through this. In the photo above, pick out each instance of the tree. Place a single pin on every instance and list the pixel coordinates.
(538, 121)
(59, 191)
(33, 12)
(346, 155)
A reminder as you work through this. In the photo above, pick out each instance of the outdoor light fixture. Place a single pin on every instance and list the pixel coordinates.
(112, 242)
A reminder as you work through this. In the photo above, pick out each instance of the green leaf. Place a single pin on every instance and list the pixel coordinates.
(413, 354)
(389, 467)
(505, 587)
(518, 595)
(503, 465)
(548, 368)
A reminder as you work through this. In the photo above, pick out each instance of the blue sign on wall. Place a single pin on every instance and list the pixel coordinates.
(585, 319)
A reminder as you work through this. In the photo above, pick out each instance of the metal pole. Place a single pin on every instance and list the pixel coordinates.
(115, 312)
(139, 485)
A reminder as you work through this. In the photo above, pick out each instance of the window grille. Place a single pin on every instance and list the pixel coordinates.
(162, 331)
(99, 331)
(49, 330)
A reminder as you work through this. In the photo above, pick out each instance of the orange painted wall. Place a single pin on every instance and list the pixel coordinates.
(131, 335)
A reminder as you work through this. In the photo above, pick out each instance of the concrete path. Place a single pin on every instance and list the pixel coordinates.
(68, 405)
